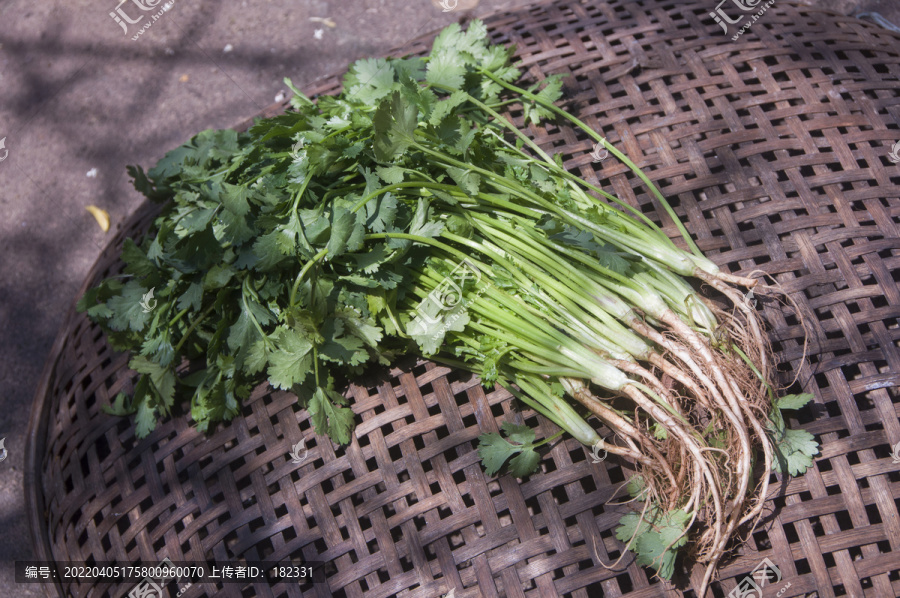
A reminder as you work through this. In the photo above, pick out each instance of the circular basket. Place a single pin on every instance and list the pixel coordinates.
(775, 151)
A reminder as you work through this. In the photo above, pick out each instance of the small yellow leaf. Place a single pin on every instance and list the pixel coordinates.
(101, 215)
(327, 21)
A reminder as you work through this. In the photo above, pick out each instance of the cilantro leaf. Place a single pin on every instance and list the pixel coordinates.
(516, 433)
(431, 322)
(525, 463)
(391, 175)
(217, 277)
(145, 416)
(656, 537)
(268, 250)
(495, 450)
(235, 198)
(422, 224)
(191, 298)
(159, 349)
(126, 309)
(794, 452)
(162, 378)
(329, 419)
(607, 255)
(469, 46)
(243, 334)
(257, 357)
(359, 327)
(338, 347)
(369, 262)
(292, 361)
(466, 179)
(299, 101)
(445, 70)
(369, 80)
(793, 401)
(445, 107)
(394, 123)
(136, 261)
(346, 230)
(551, 92)
(120, 406)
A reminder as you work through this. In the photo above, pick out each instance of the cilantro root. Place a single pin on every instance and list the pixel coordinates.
(409, 214)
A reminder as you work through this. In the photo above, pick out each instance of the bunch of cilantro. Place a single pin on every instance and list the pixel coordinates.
(258, 259)
(406, 214)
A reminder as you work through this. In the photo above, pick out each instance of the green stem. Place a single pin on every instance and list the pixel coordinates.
(193, 325)
(253, 319)
(306, 267)
(396, 186)
(178, 316)
(548, 439)
(548, 162)
(622, 157)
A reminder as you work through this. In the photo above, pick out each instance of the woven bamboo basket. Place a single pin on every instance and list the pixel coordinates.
(775, 150)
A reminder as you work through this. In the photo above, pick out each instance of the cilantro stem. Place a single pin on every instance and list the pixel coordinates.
(418, 239)
(612, 149)
(396, 186)
(548, 439)
(553, 408)
(193, 325)
(178, 316)
(548, 161)
(315, 351)
(256, 324)
(306, 267)
(636, 240)
(299, 193)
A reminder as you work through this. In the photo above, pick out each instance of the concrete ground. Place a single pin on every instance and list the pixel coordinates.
(79, 100)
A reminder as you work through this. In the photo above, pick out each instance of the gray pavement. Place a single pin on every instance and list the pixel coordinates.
(80, 100)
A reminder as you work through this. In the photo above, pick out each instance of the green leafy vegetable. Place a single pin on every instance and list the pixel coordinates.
(795, 450)
(655, 538)
(793, 401)
(495, 450)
